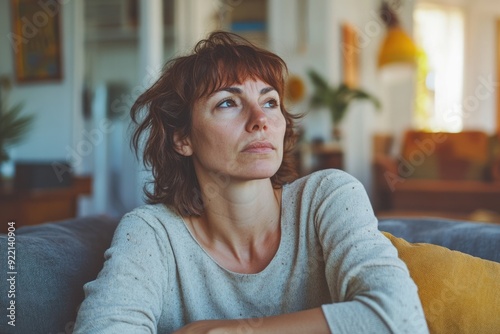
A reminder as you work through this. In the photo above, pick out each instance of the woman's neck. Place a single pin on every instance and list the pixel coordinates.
(240, 225)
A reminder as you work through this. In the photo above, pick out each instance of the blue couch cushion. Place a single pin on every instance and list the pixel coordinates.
(53, 262)
(473, 238)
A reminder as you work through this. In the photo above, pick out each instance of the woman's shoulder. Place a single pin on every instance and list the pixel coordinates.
(157, 216)
(324, 188)
(153, 210)
(325, 179)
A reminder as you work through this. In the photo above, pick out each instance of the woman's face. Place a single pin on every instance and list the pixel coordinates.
(237, 132)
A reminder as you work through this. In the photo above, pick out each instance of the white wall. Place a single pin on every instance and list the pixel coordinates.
(118, 176)
(194, 19)
(481, 68)
(302, 46)
(111, 163)
(56, 105)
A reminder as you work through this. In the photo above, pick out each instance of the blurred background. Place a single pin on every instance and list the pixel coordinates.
(75, 68)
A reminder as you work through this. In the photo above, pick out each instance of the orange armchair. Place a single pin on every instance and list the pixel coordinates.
(457, 173)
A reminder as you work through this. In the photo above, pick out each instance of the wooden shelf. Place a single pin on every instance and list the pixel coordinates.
(31, 207)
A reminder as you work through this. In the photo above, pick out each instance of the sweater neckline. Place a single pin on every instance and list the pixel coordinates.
(271, 263)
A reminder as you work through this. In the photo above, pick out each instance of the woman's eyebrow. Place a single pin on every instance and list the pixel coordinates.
(234, 90)
(239, 91)
(266, 90)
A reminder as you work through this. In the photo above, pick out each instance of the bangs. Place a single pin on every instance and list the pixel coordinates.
(222, 66)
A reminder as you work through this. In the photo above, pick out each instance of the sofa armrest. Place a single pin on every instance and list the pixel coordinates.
(382, 165)
(386, 163)
(54, 261)
(385, 169)
(495, 170)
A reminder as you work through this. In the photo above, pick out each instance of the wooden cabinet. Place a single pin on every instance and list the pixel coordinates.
(314, 157)
(31, 207)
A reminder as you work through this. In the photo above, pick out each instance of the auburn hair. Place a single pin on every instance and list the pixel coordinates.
(165, 108)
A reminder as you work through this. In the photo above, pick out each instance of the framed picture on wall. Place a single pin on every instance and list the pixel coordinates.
(36, 40)
(350, 55)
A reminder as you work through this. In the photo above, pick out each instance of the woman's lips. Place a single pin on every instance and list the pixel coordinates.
(259, 147)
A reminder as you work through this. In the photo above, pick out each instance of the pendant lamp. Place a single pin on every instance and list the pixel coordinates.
(397, 46)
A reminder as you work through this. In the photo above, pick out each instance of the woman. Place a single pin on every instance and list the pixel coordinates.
(229, 242)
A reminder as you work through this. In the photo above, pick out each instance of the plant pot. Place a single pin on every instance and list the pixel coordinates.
(336, 134)
(6, 171)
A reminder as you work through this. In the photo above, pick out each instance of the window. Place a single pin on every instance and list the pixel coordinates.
(439, 31)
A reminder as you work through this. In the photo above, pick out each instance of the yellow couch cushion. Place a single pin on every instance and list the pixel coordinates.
(459, 293)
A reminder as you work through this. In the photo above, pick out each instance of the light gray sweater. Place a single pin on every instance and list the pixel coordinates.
(157, 278)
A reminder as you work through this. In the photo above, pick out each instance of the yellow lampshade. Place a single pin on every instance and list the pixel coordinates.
(397, 47)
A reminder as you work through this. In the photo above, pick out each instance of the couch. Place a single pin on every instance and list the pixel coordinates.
(54, 260)
(437, 172)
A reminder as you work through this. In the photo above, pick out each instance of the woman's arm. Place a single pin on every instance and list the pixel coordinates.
(310, 321)
(127, 295)
(370, 284)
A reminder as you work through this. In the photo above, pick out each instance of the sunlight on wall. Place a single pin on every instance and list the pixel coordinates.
(439, 31)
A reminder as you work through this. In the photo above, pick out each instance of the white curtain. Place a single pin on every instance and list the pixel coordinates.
(439, 31)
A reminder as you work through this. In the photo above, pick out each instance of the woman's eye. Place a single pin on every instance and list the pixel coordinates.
(227, 104)
(271, 104)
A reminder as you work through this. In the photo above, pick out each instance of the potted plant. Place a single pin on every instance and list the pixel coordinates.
(336, 99)
(13, 125)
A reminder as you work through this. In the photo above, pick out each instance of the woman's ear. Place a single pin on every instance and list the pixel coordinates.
(182, 145)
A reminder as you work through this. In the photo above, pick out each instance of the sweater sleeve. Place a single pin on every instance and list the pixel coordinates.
(371, 288)
(126, 297)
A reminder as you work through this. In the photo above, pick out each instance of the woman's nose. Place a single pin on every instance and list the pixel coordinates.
(257, 119)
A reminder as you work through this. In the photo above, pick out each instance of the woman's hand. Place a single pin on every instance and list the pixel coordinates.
(209, 327)
(309, 321)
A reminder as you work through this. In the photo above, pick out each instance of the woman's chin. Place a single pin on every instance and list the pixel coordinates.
(261, 172)
(254, 170)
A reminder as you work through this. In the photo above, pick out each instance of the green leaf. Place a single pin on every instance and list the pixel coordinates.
(336, 99)
(13, 125)
(3, 154)
(317, 80)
